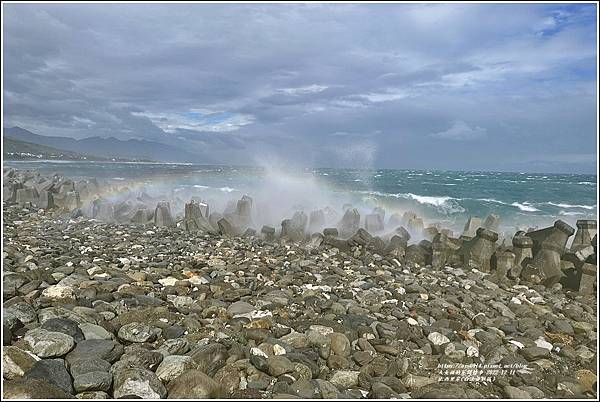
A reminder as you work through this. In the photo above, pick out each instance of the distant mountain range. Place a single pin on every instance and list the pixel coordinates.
(22, 150)
(106, 148)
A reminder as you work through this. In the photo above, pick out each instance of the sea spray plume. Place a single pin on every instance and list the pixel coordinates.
(286, 189)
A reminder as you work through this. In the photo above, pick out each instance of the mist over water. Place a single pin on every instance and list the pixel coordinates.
(521, 199)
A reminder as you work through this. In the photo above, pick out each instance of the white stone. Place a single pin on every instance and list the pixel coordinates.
(278, 350)
(437, 339)
(519, 345)
(258, 352)
(58, 292)
(345, 378)
(321, 329)
(172, 366)
(168, 281)
(542, 343)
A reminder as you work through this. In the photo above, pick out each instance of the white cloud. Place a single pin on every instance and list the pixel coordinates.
(309, 89)
(211, 122)
(389, 95)
(460, 131)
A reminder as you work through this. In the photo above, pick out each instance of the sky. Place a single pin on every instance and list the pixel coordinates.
(504, 87)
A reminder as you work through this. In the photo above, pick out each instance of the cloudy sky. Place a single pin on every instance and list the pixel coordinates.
(439, 86)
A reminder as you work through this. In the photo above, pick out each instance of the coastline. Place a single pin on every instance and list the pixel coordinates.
(198, 311)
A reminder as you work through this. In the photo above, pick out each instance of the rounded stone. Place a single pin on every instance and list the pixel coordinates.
(173, 366)
(340, 345)
(344, 379)
(30, 388)
(65, 326)
(96, 348)
(137, 382)
(194, 384)
(52, 371)
(93, 381)
(16, 362)
(137, 332)
(49, 344)
(83, 366)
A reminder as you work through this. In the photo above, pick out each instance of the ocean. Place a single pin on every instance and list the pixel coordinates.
(522, 200)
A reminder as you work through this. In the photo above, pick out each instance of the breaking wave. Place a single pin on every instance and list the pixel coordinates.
(441, 204)
(525, 207)
(562, 205)
(570, 213)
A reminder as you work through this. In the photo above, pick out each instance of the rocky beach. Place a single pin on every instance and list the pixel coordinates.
(146, 296)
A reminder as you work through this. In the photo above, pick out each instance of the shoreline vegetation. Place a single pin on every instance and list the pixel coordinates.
(106, 299)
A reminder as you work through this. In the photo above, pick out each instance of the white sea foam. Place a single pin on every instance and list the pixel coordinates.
(570, 213)
(492, 200)
(424, 199)
(524, 206)
(227, 189)
(442, 204)
(587, 183)
(563, 205)
(199, 186)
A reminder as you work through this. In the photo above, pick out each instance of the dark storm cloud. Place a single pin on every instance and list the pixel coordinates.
(388, 85)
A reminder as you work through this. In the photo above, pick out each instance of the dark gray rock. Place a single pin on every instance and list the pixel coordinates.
(52, 371)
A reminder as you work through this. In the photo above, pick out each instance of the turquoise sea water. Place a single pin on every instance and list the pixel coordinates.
(521, 199)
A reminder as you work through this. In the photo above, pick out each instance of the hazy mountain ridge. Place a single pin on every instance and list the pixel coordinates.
(106, 147)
